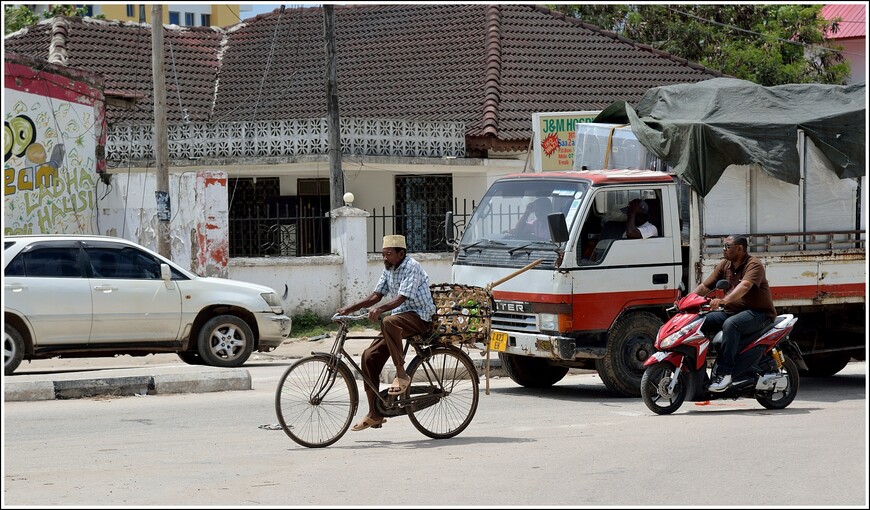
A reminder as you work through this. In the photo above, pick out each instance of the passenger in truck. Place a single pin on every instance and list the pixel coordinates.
(638, 225)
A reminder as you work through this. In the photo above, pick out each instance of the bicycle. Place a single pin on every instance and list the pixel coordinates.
(317, 397)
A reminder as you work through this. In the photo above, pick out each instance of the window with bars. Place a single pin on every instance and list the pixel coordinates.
(421, 204)
(264, 223)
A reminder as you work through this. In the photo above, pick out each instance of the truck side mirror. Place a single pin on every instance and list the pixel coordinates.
(558, 227)
(448, 227)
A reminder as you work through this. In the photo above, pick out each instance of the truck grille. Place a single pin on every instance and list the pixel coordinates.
(524, 322)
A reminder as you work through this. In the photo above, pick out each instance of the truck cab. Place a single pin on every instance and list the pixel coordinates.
(596, 298)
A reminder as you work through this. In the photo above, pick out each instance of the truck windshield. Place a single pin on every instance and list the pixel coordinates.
(517, 209)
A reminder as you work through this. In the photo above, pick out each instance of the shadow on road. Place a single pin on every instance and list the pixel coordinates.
(835, 388)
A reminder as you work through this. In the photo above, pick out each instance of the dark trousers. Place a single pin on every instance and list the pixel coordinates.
(389, 344)
(733, 327)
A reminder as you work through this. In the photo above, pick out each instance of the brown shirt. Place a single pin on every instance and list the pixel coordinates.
(752, 270)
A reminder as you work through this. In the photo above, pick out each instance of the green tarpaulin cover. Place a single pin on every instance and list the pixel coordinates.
(699, 129)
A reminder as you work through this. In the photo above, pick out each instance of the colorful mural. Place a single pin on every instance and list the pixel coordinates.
(52, 129)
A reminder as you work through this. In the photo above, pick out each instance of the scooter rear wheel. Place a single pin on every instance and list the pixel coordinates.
(654, 389)
(781, 399)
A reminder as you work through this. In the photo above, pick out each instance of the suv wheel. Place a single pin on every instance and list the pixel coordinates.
(225, 341)
(13, 349)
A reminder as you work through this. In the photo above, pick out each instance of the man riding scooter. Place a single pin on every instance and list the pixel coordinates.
(747, 308)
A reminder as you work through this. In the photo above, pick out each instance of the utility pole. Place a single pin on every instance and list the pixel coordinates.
(336, 177)
(161, 142)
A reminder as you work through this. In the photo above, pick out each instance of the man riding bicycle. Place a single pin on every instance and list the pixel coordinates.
(412, 309)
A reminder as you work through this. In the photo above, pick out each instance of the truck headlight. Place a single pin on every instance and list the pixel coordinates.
(555, 322)
(549, 322)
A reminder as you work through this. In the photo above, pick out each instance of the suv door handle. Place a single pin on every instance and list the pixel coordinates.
(105, 288)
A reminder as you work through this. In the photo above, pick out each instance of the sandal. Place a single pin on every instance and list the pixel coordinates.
(399, 386)
(367, 422)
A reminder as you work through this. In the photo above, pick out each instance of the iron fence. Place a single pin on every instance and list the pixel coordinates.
(286, 231)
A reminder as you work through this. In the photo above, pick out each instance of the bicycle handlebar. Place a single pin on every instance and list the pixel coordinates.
(364, 315)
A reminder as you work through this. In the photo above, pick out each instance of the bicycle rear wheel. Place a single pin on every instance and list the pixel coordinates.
(448, 376)
(316, 403)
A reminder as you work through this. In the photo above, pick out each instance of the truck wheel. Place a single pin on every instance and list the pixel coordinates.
(13, 349)
(531, 372)
(630, 342)
(225, 341)
(826, 364)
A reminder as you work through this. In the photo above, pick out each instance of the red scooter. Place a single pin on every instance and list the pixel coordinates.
(766, 367)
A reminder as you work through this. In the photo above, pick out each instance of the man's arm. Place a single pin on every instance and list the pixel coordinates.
(738, 292)
(631, 230)
(373, 298)
(375, 313)
(701, 290)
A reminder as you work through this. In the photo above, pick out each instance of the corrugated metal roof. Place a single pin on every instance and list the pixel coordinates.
(853, 20)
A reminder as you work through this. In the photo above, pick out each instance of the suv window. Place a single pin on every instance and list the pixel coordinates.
(126, 263)
(46, 262)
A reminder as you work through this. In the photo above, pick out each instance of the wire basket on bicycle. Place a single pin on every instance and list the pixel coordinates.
(463, 313)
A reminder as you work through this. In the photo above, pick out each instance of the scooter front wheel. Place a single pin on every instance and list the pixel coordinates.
(654, 389)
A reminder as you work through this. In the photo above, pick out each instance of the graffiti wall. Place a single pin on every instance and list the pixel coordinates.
(53, 131)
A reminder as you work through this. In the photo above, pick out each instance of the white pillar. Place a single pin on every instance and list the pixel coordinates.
(349, 240)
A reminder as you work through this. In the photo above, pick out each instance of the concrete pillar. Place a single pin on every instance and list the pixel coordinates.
(349, 240)
(210, 237)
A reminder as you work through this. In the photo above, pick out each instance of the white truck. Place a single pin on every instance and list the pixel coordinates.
(597, 299)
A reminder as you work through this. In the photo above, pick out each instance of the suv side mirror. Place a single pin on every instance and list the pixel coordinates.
(165, 273)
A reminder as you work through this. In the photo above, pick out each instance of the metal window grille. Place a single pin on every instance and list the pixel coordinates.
(385, 222)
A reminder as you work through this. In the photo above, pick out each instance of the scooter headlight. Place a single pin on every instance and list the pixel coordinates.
(673, 338)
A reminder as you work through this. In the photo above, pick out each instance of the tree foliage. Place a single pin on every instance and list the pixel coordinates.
(16, 17)
(765, 44)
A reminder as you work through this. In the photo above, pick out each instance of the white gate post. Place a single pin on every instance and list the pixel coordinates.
(349, 240)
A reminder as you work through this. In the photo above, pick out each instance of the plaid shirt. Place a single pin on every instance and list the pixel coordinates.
(411, 281)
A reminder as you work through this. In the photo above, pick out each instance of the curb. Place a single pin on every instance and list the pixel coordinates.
(227, 379)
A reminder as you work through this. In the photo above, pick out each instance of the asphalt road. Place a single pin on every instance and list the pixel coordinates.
(574, 444)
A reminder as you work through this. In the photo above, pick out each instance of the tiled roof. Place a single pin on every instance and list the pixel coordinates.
(853, 19)
(121, 52)
(489, 66)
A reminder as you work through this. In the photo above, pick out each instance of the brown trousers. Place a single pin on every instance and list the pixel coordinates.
(393, 329)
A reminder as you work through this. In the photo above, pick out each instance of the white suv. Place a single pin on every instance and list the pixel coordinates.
(89, 296)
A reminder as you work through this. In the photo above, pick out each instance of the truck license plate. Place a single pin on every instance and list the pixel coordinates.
(498, 341)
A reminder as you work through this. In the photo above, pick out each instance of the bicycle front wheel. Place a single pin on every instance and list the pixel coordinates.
(316, 400)
(443, 386)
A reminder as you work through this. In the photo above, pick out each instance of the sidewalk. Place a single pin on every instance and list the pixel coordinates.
(65, 378)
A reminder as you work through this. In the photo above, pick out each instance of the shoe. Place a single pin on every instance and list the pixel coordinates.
(399, 386)
(367, 422)
(720, 383)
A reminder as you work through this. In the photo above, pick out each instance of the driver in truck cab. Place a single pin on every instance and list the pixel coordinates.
(537, 227)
